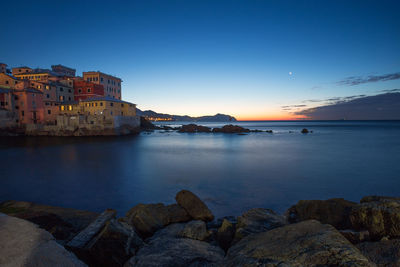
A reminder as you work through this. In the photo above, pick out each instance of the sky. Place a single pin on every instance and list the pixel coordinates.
(252, 59)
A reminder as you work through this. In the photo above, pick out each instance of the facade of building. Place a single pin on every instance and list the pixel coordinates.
(105, 106)
(84, 90)
(21, 70)
(29, 106)
(8, 81)
(6, 99)
(111, 84)
(63, 70)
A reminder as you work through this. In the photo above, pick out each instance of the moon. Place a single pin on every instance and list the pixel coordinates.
(290, 73)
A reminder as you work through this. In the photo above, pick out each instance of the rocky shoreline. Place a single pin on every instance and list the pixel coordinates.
(333, 232)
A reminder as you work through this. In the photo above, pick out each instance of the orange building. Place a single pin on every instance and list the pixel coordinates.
(29, 105)
(8, 81)
(84, 90)
(111, 84)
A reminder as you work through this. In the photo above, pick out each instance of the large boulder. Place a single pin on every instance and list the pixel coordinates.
(148, 218)
(195, 230)
(383, 254)
(193, 128)
(113, 246)
(256, 221)
(62, 223)
(307, 243)
(226, 234)
(355, 237)
(379, 215)
(24, 244)
(194, 206)
(333, 211)
(231, 129)
(166, 248)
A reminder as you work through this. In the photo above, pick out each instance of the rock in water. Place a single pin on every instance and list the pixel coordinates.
(195, 230)
(256, 221)
(148, 218)
(231, 129)
(307, 243)
(24, 244)
(193, 128)
(167, 249)
(382, 253)
(379, 215)
(333, 211)
(225, 234)
(194, 206)
(304, 131)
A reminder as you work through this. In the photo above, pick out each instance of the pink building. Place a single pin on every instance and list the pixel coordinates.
(29, 105)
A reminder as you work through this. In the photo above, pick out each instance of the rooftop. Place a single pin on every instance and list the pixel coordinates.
(105, 98)
(92, 72)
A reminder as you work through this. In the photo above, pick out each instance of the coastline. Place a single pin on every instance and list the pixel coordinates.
(311, 232)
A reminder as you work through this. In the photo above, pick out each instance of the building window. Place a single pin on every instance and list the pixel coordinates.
(49, 111)
(61, 98)
(61, 89)
(48, 96)
(96, 104)
(80, 90)
(6, 82)
(101, 79)
(22, 113)
(70, 108)
(111, 104)
(62, 107)
(122, 105)
(88, 90)
(69, 90)
(101, 103)
(47, 87)
(69, 98)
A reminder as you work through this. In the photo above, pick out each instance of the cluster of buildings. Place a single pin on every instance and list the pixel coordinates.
(41, 96)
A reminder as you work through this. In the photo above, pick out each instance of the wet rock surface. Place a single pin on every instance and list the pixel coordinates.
(195, 230)
(307, 243)
(194, 206)
(382, 253)
(193, 128)
(231, 129)
(379, 215)
(335, 211)
(256, 221)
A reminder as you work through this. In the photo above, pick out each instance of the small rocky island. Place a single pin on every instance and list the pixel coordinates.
(333, 232)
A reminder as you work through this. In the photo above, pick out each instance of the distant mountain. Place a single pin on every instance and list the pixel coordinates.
(152, 115)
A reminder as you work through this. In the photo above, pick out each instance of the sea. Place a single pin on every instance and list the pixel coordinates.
(231, 173)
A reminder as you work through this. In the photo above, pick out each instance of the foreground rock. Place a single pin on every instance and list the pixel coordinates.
(193, 128)
(231, 129)
(256, 221)
(148, 218)
(335, 211)
(24, 244)
(62, 223)
(355, 237)
(166, 248)
(383, 253)
(379, 215)
(194, 206)
(307, 243)
(225, 234)
(195, 230)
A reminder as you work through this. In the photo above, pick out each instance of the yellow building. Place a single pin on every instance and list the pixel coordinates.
(111, 84)
(106, 106)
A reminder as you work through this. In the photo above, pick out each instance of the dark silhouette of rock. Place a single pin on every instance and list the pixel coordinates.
(148, 218)
(383, 253)
(113, 246)
(195, 230)
(145, 124)
(63, 223)
(226, 234)
(167, 248)
(355, 237)
(231, 129)
(304, 131)
(333, 211)
(256, 221)
(307, 243)
(193, 128)
(194, 206)
(379, 215)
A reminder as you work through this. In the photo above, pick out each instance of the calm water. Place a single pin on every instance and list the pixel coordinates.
(230, 172)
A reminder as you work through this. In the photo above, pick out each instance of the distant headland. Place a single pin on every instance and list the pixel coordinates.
(154, 116)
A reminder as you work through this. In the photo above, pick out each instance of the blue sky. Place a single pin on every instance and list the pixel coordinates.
(204, 57)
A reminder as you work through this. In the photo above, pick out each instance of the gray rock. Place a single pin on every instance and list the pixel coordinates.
(333, 211)
(148, 218)
(226, 234)
(25, 244)
(194, 206)
(62, 223)
(166, 248)
(355, 237)
(307, 243)
(382, 253)
(256, 221)
(195, 230)
(379, 215)
(113, 246)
